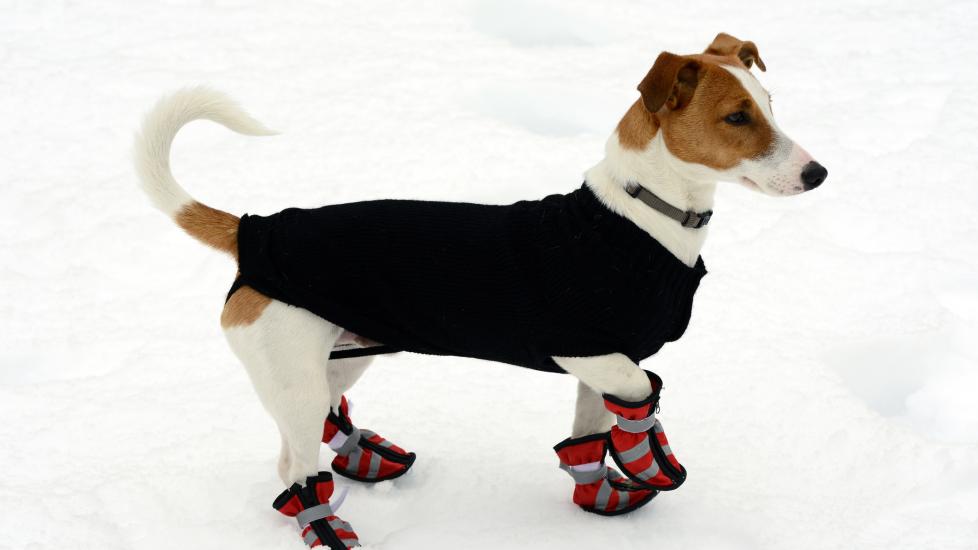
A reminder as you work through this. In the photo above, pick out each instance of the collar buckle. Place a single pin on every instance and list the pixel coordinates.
(633, 189)
(697, 220)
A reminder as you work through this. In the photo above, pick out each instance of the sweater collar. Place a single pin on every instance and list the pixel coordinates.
(686, 218)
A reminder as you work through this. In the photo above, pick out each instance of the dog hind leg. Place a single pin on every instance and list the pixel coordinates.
(361, 454)
(343, 374)
(285, 352)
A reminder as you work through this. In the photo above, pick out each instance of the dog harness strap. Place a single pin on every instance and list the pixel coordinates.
(585, 478)
(636, 426)
(686, 218)
(310, 515)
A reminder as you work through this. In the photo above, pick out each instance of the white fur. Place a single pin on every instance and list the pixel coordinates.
(343, 373)
(779, 171)
(152, 148)
(690, 186)
(683, 185)
(686, 186)
(285, 351)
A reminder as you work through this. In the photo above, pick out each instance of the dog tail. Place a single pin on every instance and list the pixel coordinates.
(152, 156)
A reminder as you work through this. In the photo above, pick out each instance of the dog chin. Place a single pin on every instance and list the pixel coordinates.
(770, 190)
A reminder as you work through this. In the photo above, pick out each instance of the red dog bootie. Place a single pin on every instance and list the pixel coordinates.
(639, 445)
(310, 506)
(362, 455)
(598, 488)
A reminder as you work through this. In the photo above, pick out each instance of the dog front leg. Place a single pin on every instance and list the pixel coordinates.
(612, 374)
(615, 384)
(599, 488)
(590, 415)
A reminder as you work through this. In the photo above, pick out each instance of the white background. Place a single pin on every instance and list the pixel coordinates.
(823, 397)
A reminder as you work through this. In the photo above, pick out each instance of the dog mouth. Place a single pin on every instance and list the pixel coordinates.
(749, 183)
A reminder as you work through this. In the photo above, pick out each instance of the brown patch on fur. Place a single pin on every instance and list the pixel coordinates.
(671, 81)
(744, 50)
(211, 226)
(697, 133)
(691, 95)
(731, 60)
(244, 307)
(637, 127)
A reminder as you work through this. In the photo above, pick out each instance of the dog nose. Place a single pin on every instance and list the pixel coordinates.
(812, 175)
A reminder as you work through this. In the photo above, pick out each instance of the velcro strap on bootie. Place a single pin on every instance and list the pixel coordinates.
(636, 426)
(638, 443)
(363, 455)
(598, 488)
(311, 508)
(585, 477)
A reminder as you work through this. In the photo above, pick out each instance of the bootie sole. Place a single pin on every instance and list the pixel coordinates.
(406, 460)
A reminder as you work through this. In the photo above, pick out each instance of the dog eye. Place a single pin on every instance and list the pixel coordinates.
(739, 118)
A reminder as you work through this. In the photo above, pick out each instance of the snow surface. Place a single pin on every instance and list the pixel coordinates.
(823, 397)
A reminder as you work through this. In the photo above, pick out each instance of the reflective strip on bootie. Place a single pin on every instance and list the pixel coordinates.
(639, 445)
(363, 455)
(317, 520)
(598, 488)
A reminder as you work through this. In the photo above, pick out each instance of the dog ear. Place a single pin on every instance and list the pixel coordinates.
(671, 82)
(724, 44)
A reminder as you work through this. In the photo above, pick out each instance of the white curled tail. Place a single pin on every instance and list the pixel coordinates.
(152, 156)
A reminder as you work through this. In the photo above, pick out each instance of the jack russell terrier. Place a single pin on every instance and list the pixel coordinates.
(588, 283)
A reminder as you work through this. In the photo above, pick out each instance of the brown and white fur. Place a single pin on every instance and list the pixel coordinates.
(676, 140)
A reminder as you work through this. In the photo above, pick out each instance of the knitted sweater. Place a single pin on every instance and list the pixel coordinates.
(516, 284)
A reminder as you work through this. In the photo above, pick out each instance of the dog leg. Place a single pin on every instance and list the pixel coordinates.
(599, 488)
(343, 374)
(361, 454)
(612, 374)
(590, 416)
(285, 351)
(638, 443)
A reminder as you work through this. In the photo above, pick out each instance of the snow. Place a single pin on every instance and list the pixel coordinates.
(823, 396)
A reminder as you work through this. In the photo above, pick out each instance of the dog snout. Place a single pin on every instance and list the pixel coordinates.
(812, 175)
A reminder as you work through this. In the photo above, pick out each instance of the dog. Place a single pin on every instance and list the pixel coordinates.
(588, 283)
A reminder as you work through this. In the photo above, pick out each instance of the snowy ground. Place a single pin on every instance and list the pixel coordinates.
(822, 398)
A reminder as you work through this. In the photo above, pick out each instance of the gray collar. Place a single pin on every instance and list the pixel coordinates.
(686, 218)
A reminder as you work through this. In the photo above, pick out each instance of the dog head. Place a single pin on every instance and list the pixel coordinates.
(716, 120)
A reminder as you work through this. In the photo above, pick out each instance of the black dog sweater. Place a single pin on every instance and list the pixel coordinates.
(517, 284)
